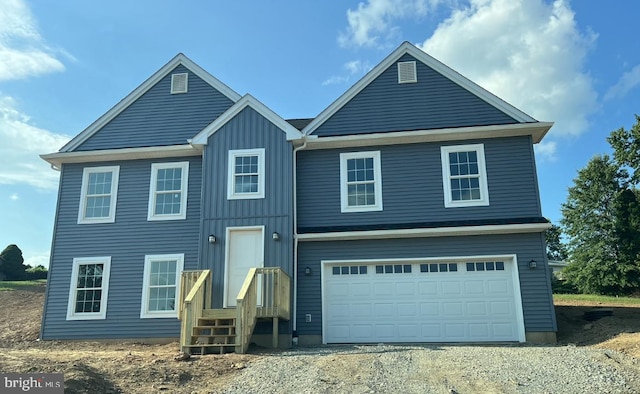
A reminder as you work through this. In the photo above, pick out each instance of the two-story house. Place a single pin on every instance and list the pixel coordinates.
(406, 211)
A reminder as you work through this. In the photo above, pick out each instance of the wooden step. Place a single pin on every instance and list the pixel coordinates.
(220, 348)
(219, 313)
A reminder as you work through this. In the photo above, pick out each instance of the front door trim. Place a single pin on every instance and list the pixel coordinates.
(227, 256)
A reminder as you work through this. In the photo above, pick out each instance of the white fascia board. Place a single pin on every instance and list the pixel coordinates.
(246, 101)
(536, 130)
(420, 55)
(427, 232)
(179, 59)
(94, 156)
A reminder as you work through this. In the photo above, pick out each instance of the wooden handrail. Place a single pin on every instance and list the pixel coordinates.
(192, 306)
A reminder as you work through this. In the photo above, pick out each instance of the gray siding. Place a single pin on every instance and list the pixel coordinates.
(247, 130)
(127, 241)
(537, 303)
(160, 118)
(433, 102)
(412, 190)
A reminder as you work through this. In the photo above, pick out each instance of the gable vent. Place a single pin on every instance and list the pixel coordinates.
(407, 72)
(179, 83)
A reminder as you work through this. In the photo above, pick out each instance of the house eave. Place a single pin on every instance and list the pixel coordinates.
(95, 156)
(427, 232)
(537, 131)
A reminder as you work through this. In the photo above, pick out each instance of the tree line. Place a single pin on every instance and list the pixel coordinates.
(601, 220)
(12, 266)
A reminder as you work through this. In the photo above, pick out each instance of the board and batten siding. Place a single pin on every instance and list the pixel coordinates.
(247, 130)
(127, 241)
(537, 302)
(412, 189)
(159, 118)
(434, 102)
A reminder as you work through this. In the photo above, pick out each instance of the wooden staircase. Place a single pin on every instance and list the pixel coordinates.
(205, 330)
(215, 332)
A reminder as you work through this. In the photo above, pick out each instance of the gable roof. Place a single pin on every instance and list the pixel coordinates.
(454, 76)
(179, 59)
(246, 101)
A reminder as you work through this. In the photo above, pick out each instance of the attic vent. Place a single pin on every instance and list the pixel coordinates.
(407, 72)
(179, 83)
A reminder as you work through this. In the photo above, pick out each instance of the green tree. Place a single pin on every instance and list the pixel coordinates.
(626, 147)
(556, 250)
(13, 267)
(594, 223)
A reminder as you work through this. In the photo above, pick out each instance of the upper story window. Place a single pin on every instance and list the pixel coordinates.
(98, 195)
(168, 191)
(246, 174)
(360, 182)
(464, 176)
(88, 289)
(160, 285)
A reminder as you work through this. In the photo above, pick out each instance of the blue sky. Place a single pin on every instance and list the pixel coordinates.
(63, 64)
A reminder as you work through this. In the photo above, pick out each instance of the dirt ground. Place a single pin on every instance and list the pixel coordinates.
(97, 367)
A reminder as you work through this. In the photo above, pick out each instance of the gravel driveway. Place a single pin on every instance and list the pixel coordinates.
(441, 369)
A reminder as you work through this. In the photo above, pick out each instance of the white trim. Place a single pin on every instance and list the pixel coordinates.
(231, 174)
(377, 175)
(176, 76)
(179, 59)
(409, 68)
(115, 175)
(407, 48)
(184, 166)
(246, 101)
(449, 202)
(145, 313)
(227, 244)
(536, 130)
(428, 232)
(512, 258)
(106, 269)
(95, 156)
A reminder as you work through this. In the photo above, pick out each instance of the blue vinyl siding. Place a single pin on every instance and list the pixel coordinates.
(412, 190)
(127, 241)
(537, 302)
(433, 102)
(159, 118)
(247, 130)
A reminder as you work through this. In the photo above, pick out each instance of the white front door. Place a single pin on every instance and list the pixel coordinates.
(245, 250)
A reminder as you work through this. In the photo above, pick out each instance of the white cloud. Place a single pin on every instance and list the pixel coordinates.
(34, 260)
(371, 24)
(627, 82)
(546, 150)
(21, 144)
(354, 68)
(14, 197)
(22, 50)
(527, 52)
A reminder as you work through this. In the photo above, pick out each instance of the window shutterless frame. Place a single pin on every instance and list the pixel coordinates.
(99, 194)
(168, 191)
(89, 288)
(360, 182)
(464, 176)
(246, 174)
(161, 284)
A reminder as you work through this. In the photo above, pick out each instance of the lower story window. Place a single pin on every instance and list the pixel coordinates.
(160, 285)
(89, 288)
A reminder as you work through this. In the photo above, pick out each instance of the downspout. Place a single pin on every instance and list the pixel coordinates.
(295, 234)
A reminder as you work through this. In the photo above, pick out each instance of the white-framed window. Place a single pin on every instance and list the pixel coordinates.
(464, 176)
(246, 174)
(98, 195)
(168, 191)
(360, 182)
(89, 288)
(160, 285)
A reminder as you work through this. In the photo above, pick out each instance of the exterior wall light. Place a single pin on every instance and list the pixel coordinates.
(212, 239)
(275, 236)
(533, 264)
(307, 271)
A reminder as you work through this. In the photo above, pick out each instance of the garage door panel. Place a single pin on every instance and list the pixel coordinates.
(435, 302)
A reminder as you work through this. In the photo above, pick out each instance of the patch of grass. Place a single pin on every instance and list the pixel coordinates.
(596, 298)
(21, 285)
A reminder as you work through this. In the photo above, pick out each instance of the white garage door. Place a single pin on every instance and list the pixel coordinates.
(425, 301)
